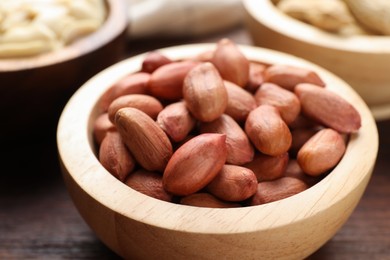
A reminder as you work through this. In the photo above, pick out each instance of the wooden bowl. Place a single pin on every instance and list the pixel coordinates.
(136, 226)
(362, 61)
(34, 89)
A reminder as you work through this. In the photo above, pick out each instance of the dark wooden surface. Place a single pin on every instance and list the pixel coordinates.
(39, 221)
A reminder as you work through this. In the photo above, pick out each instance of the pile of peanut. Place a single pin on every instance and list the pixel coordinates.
(342, 17)
(32, 27)
(219, 130)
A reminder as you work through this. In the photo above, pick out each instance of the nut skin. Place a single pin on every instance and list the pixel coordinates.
(147, 104)
(240, 102)
(321, 152)
(115, 157)
(287, 102)
(136, 83)
(268, 168)
(101, 126)
(300, 136)
(267, 130)
(328, 108)
(233, 183)
(231, 62)
(166, 82)
(289, 76)
(204, 92)
(146, 141)
(295, 171)
(239, 148)
(195, 164)
(256, 76)
(206, 200)
(282, 188)
(148, 183)
(153, 60)
(176, 121)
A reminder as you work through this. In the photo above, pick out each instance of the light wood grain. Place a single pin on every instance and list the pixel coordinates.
(137, 226)
(362, 61)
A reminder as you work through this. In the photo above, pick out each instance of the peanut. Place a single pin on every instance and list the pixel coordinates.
(153, 61)
(287, 103)
(204, 92)
(240, 102)
(147, 104)
(144, 138)
(148, 183)
(206, 200)
(268, 132)
(239, 148)
(176, 121)
(288, 77)
(166, 82)
(282, 188)
(321, 152)
(328, 108)
(195, 164)
(268, 168)
(131, 84)
(231, 63)
(233, 183)
(115, 157)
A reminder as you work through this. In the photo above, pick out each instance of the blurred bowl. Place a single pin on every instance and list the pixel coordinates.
(362, 61)
(136, 226)
(34, 89)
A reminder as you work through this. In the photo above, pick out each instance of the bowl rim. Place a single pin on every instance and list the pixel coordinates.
(76, 153)
(114, 24)
(268, 14)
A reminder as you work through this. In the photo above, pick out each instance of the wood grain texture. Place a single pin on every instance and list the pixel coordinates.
(137, 226)
(39, 221)
(362, 61)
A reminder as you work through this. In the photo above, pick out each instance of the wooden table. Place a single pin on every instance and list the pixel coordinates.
(38, 219)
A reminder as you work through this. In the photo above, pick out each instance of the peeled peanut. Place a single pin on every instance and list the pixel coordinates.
(268, 168)
(166, 82)
(195, 164)
(321, 152)
(239, 148)
(267, 130)
(256, 76)
(115, 157)
(135, 83)
(206, 200)
(328, 108)
(233, 183)
(231, 62)
(287, 102)
(205, 93)
(148, 183)
(176, 121)
(147, 142)
(101, 126)
(147, 104)
(289, 76)
(300, 136)
(240, 102)
(295, 171)
(153, 60)
(282, 188)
